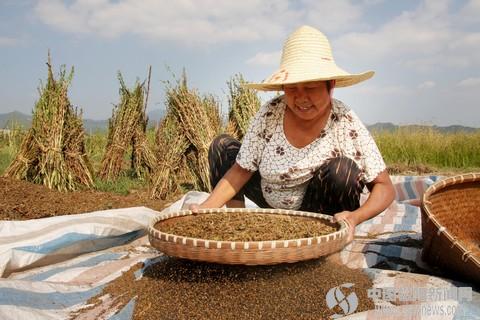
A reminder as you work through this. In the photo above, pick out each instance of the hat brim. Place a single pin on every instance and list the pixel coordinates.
(341, 81)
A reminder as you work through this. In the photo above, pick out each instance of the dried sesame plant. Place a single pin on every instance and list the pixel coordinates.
(191, 123)
(53, 150)
(127, 128)
(243, 104)
(171, 147)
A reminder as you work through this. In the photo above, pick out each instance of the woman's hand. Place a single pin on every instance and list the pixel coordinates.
(349, 218)
(194, 207)
(381, 196)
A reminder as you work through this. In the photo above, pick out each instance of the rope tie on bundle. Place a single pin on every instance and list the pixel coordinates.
(23, 159)
(49, 148)
(119, 146)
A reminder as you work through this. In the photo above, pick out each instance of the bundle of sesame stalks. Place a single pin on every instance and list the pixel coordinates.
(191, 123)
(171, 165)
(127, 128)
(53, 150)
(244, 103)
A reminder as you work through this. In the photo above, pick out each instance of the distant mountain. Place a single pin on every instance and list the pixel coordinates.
(388, 126)
(382, 126)
(456, 128)
(15, 118)
(155, 116)
(95, 125)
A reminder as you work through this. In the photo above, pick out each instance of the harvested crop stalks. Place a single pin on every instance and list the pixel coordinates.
(127, 128)
(53, 150)
(191, 123)
(243, 104)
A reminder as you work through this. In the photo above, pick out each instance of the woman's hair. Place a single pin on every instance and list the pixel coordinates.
(330, 87)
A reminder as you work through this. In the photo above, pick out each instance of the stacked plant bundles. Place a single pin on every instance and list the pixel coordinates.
(127, 128)
(53, 150)
(183, 138)
(243, 104)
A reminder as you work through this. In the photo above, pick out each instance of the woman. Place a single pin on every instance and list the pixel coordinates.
(304, 150)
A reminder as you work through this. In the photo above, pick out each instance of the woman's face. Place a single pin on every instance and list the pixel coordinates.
(309, 100)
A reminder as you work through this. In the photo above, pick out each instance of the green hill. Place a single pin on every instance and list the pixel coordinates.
(15, 118)
(390, 127)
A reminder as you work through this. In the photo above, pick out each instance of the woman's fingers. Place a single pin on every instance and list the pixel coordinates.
(194, 207)
(341, 216)
(346, 216)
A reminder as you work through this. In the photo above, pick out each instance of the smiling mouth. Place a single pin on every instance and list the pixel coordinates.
(304, 108)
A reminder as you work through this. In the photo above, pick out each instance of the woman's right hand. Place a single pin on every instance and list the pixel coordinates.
(194, 207)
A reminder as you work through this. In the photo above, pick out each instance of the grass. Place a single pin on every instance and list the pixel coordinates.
(428, 149)
(123, 185)
(9, 146)
(5, 159)
(95, 144)
(405, 151)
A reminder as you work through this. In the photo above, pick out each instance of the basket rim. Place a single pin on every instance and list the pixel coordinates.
(244, 245)
(426, 206)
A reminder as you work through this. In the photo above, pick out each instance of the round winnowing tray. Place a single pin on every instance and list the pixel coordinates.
(451, 225)
(248, 252)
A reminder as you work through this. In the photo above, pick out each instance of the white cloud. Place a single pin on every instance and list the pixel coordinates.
(469, 82)
(373, 2)
(467, 40)
(371, 89)
(424, 39)
(8, 41)
(470, 13)
(437, 61)
(332, 16)
(188, 21)
(73, 19)
(265, 59)
(423, 31)
(196, 21)
(426, 85)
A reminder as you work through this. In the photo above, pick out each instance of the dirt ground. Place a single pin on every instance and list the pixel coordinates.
(21, 200)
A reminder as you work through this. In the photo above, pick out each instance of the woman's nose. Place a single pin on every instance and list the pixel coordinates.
(301, 92)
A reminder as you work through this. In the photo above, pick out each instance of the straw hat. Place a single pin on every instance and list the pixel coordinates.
(307, 56)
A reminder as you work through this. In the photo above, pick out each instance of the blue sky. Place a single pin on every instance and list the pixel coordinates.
(425, 53)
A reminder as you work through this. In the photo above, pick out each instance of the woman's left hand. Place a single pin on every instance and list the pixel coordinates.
(349, 218)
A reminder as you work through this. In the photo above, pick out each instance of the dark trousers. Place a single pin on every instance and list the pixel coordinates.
(335, 186)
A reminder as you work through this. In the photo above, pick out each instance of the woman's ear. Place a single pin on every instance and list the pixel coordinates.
(330, 87)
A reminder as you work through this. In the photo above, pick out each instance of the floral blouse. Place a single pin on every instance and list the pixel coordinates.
(286, 170)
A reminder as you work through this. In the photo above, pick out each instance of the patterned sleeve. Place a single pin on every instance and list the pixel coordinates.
(253, 143)
(371, 158)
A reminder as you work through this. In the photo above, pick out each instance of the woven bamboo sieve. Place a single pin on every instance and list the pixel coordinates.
(251, 252)
(451, 225)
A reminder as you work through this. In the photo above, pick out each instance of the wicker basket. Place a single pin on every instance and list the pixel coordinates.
(451, 226)
(248, 253)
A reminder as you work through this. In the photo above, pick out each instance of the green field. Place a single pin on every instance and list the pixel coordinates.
(427, 150)
(405, 151)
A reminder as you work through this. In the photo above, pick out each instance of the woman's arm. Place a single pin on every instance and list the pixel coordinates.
(233, 181)
(381, 196)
